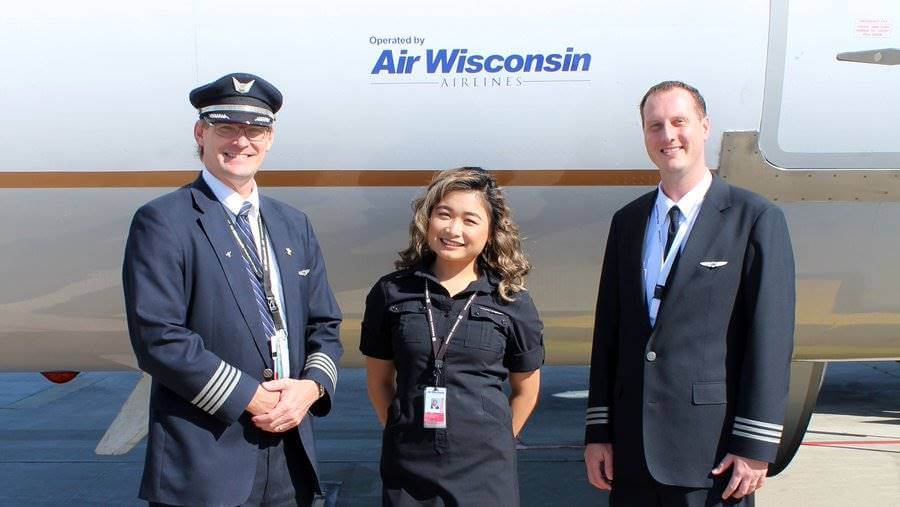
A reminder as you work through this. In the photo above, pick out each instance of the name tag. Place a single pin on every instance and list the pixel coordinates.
(435, 407)
(279, 345)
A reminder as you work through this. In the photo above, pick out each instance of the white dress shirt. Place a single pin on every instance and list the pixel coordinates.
(655, 267)
(232, 202)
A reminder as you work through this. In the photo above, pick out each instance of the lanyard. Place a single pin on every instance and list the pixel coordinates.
(441, 350)
(261, 272)
(668, 260)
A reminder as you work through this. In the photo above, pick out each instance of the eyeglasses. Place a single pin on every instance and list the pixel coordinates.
(232, 131)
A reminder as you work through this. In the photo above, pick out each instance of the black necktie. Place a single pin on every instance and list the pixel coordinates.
(674, 215)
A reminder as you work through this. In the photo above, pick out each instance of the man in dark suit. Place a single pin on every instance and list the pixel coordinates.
(693, 331)
(230, 311)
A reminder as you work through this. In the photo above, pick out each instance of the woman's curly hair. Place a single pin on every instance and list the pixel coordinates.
(503, 252)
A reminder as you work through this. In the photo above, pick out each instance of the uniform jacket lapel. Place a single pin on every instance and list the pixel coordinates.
(704, 233)
(212, 220)
(634, 252)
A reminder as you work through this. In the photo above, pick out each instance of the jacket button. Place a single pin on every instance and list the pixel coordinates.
(651, 356)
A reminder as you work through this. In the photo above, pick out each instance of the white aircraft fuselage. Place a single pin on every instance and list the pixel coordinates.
(379, 96)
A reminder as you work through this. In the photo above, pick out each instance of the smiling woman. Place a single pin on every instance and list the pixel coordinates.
(473, 194)
(457, 232)
(461, 280)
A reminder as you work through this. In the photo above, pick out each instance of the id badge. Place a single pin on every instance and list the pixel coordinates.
(435, 407)
(279, 344)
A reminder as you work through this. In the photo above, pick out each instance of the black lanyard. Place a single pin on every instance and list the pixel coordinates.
(440, 350)
(261, 272)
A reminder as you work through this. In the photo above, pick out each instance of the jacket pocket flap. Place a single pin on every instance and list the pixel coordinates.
(712, 393)
(407, 307)
(483, 312)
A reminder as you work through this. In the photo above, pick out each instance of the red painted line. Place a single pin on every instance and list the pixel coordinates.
(853, 442)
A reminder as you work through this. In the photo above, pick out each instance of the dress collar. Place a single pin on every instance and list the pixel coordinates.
(486, 283)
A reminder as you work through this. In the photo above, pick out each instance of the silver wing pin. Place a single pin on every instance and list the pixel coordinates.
(242, 87)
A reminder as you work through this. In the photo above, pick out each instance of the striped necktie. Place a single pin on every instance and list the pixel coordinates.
(243, 223)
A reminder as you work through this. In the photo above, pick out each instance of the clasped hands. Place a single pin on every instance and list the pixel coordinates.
(280, 405)
(747, 475)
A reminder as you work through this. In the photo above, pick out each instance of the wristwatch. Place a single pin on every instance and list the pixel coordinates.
(321, 389)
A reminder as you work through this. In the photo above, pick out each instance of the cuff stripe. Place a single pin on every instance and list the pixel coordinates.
(759, 424)
(592, 422)
(757, 437)
(593, 410)
(201, 396)
(227, 393)
(220, 388)
(316, 366)
(322, 362)
(751, 429)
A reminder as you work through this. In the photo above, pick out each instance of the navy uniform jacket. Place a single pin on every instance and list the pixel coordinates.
(196, 330)
(712, 376)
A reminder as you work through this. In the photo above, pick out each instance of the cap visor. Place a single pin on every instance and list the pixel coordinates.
(242, 117)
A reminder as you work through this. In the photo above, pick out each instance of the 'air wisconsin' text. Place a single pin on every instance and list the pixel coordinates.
(459, 61)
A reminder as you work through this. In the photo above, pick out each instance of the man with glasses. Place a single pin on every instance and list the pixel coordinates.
(230, 312)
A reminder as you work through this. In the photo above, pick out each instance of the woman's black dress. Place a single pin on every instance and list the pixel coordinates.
(473, 460)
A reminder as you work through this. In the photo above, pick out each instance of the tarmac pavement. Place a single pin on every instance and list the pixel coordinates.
(48, 433)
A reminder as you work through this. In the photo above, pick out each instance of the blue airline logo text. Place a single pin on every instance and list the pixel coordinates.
(459, 61)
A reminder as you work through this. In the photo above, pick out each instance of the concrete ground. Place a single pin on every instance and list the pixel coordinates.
(851, 453)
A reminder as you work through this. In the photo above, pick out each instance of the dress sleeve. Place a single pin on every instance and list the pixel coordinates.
(525, 348)
(375, 336)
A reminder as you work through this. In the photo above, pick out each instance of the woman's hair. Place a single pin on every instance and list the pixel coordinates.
(503, 252)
